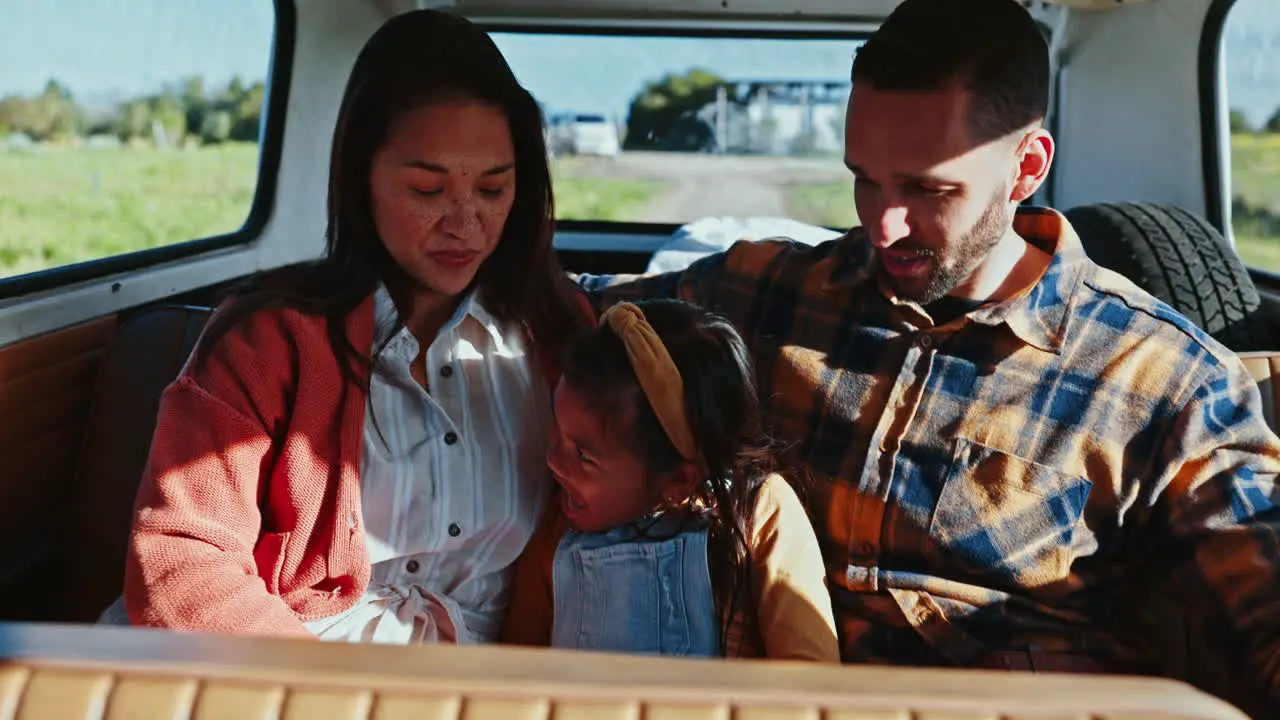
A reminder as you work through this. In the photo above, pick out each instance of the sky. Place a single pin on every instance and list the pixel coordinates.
(107, 50)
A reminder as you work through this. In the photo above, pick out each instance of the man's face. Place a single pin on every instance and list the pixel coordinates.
(934, 202)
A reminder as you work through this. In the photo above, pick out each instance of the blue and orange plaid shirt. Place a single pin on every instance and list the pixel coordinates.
(1007, 480)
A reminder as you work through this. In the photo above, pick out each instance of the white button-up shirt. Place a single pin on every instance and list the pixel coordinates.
(453, 481)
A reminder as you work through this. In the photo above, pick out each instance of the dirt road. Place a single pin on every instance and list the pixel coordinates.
(704, 185)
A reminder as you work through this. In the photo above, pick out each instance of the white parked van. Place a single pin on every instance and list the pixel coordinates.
(583, 134)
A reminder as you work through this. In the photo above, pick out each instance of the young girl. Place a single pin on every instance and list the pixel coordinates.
(668, 536)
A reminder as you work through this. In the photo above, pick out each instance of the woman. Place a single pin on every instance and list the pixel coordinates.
(356, 449)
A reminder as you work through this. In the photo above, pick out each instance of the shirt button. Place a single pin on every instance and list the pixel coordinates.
(925, 341)
(446, 371)
(454, 530)
(450, 437)
(412, 566)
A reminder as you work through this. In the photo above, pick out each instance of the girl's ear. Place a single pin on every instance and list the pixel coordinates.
(679, 484)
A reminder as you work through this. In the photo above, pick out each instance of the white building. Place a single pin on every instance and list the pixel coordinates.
(778, 117)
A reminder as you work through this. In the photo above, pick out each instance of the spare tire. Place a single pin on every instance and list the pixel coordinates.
(1180, 259)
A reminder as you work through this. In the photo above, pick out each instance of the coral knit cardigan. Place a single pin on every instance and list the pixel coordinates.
(248, 516)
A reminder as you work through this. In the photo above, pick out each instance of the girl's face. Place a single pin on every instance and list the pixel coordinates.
(604, 484)
(441, 187)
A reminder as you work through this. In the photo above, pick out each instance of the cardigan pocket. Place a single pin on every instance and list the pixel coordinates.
(269, 556)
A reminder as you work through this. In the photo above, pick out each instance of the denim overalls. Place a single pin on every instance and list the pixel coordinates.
(636, 589)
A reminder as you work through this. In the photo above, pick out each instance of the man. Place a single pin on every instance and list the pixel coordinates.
(1007, 446)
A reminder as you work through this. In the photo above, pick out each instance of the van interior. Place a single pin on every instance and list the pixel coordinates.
(132, 197)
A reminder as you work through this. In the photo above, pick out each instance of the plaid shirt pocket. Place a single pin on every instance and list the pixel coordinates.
(1006, 520)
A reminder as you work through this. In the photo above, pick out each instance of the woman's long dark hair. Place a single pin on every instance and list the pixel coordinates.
(724, 417)
(413, 59)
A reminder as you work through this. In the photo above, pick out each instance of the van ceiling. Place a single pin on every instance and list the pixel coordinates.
(828, 10)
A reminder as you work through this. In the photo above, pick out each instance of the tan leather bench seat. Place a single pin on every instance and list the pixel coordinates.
(115, 673)
(1265, 367)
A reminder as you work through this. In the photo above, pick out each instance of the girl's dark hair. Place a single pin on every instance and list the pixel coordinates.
(724, 417)
(414, 59)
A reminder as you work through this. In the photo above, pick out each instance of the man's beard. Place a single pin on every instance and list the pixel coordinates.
(951, 266)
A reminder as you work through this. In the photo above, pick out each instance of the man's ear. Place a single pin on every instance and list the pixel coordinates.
(1035, 157)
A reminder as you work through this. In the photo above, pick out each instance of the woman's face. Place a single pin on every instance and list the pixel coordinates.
(441, 188)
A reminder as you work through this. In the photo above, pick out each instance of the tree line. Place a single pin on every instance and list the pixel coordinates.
(661, 116)
(1239, 123)
(178, 112)
(666, 114)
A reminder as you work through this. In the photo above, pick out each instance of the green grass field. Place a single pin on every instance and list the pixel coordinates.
(601, 199)
(826, 204)
(1255, 170)
(62, 205)
(59, 206)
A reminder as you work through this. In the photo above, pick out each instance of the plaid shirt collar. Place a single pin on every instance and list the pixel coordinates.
(1039, 314)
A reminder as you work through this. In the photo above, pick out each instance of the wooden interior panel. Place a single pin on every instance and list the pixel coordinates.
(28, 389)
(46, 384)
(34, 353)
(57, 406)
(35, 475)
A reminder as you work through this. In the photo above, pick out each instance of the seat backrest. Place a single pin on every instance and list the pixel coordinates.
(1265, 366)
(146, 354)
(52, 671)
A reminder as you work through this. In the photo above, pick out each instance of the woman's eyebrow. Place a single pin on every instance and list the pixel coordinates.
(436, 168)
(424, 165)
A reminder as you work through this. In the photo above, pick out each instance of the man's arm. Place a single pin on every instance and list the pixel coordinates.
(1216, 521)
(696, 283)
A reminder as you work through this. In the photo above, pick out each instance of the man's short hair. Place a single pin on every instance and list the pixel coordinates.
(992, 48)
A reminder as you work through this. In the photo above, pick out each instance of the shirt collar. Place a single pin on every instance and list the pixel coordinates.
(386, 316)
(1038, 313)
(473, 309)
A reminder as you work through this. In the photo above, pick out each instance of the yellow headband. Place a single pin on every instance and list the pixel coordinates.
(657, 372)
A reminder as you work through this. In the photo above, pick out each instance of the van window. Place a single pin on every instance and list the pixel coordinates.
(127, 125)
(1251, 39)
(667, 129)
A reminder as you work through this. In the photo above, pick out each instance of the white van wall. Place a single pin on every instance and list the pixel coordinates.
(1122, 138)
